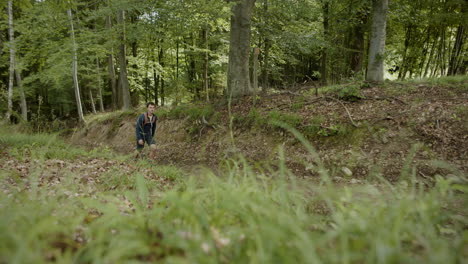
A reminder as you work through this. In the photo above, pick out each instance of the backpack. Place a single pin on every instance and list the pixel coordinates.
(147, 119)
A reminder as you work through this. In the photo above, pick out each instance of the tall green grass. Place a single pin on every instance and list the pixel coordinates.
(236, 216)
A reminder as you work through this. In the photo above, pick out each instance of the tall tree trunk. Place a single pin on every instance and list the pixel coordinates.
(12, 62)
(404, 61)
(205, 64)
(161, 62)
(357, 43)
(456, 51)
(75, 69)
(93, 106)
(375, 68)
(24, 107)
(101, 103)
(443, 53)
(255, 70)
(156, 83)
(238, 79)
(110, 61)
(323, 70)
(266, 54)
(431, 55)
(123, 63)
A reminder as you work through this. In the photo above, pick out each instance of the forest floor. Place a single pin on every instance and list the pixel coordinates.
(357, 130)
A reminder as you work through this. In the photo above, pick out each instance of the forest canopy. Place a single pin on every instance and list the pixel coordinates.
(60, 59)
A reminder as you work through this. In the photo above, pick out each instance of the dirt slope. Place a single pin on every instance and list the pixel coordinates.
(357, 131)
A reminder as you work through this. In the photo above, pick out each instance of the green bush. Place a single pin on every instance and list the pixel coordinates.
(193, 112)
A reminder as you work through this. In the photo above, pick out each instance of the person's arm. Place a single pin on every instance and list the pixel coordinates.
(139, 128)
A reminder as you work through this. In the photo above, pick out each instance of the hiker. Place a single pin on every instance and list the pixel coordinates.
(145, 129)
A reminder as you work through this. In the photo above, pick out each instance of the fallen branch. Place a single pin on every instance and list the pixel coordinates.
(347, 111)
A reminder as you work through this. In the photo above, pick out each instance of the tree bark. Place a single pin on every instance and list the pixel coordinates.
(123, 63)
(375, 67)
(238, 79)
(110, 61)
(156, 83)
(101, 103)
(430, 58)
(12, 62)
(255, 70)
(24, 107)
(323, 70)
(161, 62)
(93, 106)
(456, 51)
(75, 69)
(205, 64)
(266, 54)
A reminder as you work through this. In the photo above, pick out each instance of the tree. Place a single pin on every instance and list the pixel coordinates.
(123, 63)
(110, 63)
(239, 49)
(12, 61)
(375, 66)
(75, 69)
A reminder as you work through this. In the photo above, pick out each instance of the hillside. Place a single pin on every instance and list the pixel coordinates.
(357, 130)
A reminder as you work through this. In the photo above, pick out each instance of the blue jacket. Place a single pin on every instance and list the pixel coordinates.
(145, 128)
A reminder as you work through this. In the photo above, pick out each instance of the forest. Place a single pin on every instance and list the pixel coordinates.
(63, 59)
(286, 131)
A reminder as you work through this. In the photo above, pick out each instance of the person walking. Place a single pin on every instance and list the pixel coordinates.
(145, 130)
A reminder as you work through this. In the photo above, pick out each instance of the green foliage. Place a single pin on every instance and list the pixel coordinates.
(457, 83)
(192, 112)
(289, 119)
(299, 103)
(347, 92)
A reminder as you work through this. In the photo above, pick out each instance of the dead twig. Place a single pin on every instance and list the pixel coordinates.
(347, 111)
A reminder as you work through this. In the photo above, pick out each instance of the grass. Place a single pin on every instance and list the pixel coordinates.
(237, 216)
(457, 83)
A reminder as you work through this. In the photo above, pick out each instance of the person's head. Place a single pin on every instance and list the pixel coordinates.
(151, 107)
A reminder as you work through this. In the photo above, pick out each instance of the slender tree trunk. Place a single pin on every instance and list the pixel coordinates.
(426, 44)
(443, 53)
(404, 62)
(323, 72)
(256, 52)
(431, 55)
(177, 59)
(266, 54)
(357, 44)
(375, 68)
(156, 83)
(123, 63)
(93, 106)
(205, 64)
(101, 103)
(75, 69)
(110, 61)
(161, 62)
(238, 79)
(24, 108)
(456, 51)
(12, 62)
